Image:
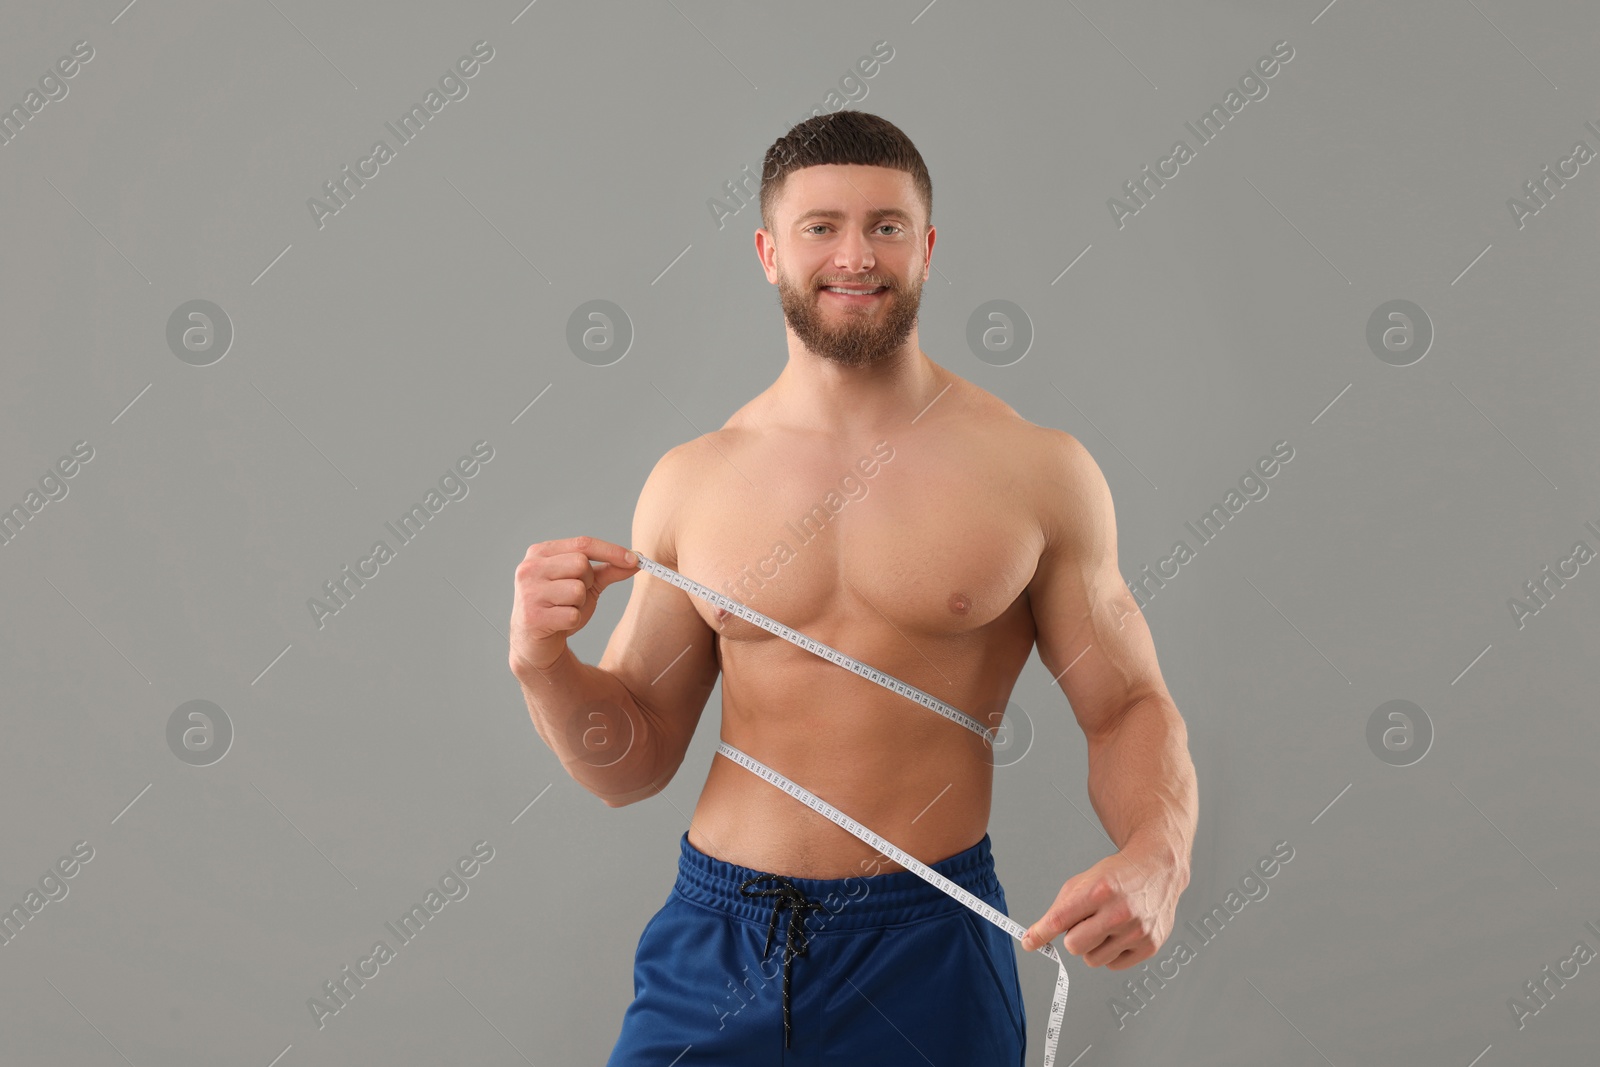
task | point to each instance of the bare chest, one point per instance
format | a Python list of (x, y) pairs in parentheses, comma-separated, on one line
[(927, 540)]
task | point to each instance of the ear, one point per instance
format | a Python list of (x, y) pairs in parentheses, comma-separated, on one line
[(767, 253)]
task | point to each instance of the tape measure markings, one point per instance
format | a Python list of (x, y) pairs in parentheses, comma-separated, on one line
[(1058, 1001), (833, 655)]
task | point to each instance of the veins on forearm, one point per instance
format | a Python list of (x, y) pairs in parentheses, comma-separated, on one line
[(1142, 781)]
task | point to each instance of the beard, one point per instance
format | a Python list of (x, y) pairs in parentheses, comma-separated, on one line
[(850, 337)]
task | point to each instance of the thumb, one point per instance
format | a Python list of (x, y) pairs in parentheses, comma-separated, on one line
[(615, 567)]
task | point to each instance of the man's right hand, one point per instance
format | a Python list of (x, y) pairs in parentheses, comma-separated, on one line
[(555, 595)]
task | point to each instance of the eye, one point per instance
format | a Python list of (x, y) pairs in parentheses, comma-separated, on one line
[(822, 225)]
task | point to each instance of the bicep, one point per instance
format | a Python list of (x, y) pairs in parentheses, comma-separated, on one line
[(1091, 635), (661, 648)]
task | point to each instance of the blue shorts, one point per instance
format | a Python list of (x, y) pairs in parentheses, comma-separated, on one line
[(883, 969)]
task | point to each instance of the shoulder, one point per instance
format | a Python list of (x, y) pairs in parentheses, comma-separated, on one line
[(669, 490), (1062, 457), (655, 516), (1060, 479), (975, 398), (684, 465), (1075, 506), (1069, 493), (1044, 454)]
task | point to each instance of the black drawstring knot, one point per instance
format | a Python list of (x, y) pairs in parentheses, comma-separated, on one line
[(786, 895)]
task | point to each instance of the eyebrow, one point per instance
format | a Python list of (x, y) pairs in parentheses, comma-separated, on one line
[(875, 214)]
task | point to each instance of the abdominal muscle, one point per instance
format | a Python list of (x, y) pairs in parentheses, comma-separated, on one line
[(900, 769)]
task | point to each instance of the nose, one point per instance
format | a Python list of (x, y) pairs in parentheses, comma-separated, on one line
[(853, 253)]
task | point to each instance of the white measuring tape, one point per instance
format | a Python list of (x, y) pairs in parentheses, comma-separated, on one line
[(1058, 1003)]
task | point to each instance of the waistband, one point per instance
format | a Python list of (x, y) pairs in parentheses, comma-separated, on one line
[(852, 902)]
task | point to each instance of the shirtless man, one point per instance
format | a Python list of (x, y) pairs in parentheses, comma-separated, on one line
[(963, 535)]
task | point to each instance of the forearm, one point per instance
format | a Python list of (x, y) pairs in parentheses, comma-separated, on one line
[(603, 737), (1142, 782)]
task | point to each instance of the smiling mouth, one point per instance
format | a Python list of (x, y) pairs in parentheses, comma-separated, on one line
[(854, 295)]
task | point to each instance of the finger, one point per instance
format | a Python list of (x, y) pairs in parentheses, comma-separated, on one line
[(1076, 902), (576, 563), (1109, 948), (1129, 958), (566, 592), (592, 547), (1118, 954), (609, 573), (1092, 935)]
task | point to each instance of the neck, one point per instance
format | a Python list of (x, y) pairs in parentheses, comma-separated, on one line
[(826, 397)]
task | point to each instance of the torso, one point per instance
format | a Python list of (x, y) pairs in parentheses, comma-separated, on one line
[(922, 574)]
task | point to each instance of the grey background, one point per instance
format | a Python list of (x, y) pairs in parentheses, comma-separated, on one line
[(368, 355)]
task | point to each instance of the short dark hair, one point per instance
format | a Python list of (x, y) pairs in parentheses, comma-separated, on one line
[(842, 137)]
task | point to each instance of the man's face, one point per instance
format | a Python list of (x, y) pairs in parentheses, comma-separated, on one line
[(854, 227)]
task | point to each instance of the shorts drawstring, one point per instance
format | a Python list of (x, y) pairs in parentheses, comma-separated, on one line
[(786, 895)]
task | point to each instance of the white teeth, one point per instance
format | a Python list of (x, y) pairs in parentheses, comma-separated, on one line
[(851, 292)]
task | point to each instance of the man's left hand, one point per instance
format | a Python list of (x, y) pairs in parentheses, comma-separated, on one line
[(1117, 912)]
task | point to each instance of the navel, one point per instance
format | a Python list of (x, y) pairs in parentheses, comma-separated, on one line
[(959, 603)]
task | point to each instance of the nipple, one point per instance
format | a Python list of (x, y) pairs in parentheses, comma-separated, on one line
[(959, 603)]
